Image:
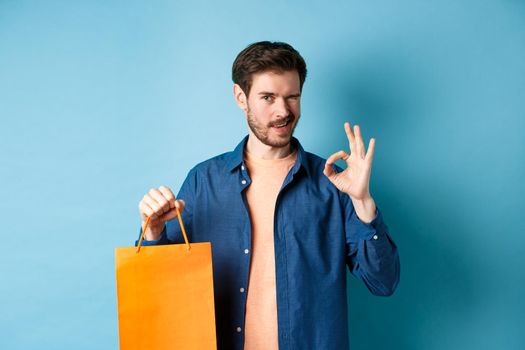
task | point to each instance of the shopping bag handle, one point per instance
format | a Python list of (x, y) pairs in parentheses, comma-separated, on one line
[(188, 246)]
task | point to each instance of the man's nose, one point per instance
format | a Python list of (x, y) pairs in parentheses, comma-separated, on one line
[(281, 108)]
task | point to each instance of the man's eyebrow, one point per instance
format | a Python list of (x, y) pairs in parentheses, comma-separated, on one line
[(273, 94)]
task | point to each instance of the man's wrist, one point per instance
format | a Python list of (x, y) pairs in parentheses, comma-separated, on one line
[(365, 209), (153, 233)]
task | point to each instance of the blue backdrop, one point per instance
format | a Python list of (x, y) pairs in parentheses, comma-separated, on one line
[(102, 100)]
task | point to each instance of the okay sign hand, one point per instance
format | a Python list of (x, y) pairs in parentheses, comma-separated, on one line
[(355, 179)]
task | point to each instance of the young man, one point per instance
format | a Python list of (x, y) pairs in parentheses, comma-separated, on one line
[(282, 222)]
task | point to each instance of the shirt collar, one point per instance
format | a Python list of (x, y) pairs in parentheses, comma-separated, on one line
[(236, 158)]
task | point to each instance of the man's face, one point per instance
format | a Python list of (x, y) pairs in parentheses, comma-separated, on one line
[(273, 107)]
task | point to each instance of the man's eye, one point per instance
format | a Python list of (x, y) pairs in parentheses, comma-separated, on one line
[(267, 98)]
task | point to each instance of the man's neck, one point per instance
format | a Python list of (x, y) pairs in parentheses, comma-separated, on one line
[(258, 149)]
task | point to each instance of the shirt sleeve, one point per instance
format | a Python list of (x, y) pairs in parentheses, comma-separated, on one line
[(172, 233), (372, 255)]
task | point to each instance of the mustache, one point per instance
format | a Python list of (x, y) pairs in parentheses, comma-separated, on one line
[(286, 119)]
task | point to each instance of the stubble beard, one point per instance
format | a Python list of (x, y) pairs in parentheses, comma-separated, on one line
[(262, 132)]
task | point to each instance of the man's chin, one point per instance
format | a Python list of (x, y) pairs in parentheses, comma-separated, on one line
[(278, 142), (272, 139)]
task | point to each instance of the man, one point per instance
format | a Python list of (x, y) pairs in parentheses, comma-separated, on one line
[(282, 222)]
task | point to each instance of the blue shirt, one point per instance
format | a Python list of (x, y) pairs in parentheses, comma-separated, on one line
[(317, 234)]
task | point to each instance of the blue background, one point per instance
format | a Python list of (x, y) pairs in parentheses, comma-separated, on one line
[(102, 100)]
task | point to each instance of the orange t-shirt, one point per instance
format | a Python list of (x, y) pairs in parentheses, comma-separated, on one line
[(267, 176)]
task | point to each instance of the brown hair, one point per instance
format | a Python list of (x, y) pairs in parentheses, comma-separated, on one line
[(266, 56)]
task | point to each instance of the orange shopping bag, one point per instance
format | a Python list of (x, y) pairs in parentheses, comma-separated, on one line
[(165, 296)]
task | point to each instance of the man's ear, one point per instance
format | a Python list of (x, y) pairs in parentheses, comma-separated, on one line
[(240, 97)]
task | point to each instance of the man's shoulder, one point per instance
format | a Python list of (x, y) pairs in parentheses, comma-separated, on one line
[(216, 163), (224, 161)]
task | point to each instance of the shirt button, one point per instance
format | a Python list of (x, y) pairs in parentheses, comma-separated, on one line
[(375, 237), (242, 290), (242, 167), (243, 182), (246, 251), (239, 329)]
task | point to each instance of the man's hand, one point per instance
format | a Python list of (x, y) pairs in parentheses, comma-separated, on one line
[(355, 179), (158, 204)]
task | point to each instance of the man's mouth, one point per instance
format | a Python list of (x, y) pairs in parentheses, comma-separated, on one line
[(282, 123)]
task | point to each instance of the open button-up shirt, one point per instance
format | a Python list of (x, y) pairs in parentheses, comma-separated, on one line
[(317, 235)]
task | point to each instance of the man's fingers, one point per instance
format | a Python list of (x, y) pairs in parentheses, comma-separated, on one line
[(159, 204), (360, 146), (336, 156), (179, 203), (172, 213), (169, 215), (143, 213), (351, 137), (370, 153), (153, 204), (328, 170), (170, 197), (160, 199), (146, 210)]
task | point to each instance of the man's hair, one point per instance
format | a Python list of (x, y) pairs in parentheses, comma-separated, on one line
[(265, 56)]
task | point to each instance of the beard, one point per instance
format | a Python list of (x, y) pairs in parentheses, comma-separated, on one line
[(262, 132)]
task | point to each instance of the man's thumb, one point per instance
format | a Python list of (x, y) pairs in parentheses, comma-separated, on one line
[(172, 214)]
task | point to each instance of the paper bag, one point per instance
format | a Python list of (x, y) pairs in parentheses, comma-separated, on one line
[(165, 296)]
